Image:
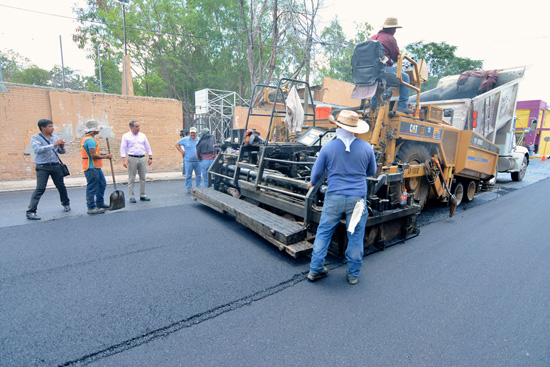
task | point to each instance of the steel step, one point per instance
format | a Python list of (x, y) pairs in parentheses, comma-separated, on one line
[(283, 233)]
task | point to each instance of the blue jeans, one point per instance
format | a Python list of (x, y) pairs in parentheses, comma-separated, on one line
[(334, 208), (205, 165), (190, 166), (403, 89), (95, 189)]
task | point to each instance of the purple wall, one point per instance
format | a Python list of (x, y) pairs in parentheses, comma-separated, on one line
[(534, 108)]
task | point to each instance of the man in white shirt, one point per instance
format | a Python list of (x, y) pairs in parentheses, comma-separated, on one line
[(134, 148)]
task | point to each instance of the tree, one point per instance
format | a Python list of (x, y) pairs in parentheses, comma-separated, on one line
[(12, 64), (176, 47), (32, 75), (441, 61), (334, 60), (73, 80)]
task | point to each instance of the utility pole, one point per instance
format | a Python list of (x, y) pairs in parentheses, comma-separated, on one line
[(99, 69), (125, 47), (62, 62)]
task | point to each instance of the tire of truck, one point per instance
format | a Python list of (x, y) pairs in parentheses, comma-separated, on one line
[(518, 176), (419, 186), (458, 192), (470, 191)]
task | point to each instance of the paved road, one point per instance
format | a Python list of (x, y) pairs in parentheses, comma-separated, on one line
[(177, 284)]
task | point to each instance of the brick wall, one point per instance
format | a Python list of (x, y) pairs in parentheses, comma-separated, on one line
[(22, 106)]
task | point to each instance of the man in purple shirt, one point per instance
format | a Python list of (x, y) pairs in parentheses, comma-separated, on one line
[(348, 162), (133, 149), (391, 51)]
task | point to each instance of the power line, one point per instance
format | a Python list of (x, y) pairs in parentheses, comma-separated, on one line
[(110, 24), (136, 28)]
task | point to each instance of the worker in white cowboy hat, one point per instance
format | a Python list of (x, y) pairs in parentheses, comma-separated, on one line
[(391, 51), (348, 161)]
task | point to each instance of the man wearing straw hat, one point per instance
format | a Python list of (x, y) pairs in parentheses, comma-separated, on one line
[(348, 162), (391, 51), (91, 164)]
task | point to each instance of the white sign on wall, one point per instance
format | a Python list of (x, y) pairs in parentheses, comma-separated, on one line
[(201, 101)]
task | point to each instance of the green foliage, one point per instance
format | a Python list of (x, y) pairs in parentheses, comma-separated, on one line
[(334, 59), (441, 61), (18, 69), (176, 47), (12, 64), (73, 80), (32, 75)]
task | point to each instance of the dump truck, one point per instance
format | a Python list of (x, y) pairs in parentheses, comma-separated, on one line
[(262, 181), (490, 113)]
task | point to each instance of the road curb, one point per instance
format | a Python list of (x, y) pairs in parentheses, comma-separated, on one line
[(79, 181)]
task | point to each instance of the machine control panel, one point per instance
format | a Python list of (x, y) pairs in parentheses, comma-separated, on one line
[(313, 134)]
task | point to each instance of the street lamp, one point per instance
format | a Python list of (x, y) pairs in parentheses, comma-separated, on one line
[(124, 21)]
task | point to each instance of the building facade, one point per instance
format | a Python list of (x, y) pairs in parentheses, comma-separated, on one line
[(533, 126)]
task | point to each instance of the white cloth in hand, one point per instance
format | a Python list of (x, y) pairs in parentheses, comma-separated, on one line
[(356, 215)]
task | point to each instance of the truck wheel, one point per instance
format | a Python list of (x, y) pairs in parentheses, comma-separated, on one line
[(518, 176), (470, 191), (419, 186), (458, 192)]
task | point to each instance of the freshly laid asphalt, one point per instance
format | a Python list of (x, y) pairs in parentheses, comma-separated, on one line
[(173, 283)]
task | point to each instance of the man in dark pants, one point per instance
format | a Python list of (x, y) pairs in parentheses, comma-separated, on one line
[(45, 146)]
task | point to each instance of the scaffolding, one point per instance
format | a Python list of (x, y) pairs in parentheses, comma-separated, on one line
[(214, 109)]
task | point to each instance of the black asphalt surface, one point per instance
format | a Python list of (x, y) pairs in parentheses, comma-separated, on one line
[(173, 283)]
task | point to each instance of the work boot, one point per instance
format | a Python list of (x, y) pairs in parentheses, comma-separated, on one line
[(103, 206), (32, 216), (96, 211), (314, 277), (352, 281), (405, 110)]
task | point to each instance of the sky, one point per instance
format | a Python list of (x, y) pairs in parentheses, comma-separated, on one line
[(503, 36)]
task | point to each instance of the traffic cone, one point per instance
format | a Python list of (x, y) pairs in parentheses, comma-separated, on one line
[(543, 158)]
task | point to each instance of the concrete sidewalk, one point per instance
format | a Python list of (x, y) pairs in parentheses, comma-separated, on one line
[(77, 181)]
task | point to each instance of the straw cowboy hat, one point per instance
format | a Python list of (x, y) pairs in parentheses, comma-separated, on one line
[(349, 120), (91, 125), (391, 22)]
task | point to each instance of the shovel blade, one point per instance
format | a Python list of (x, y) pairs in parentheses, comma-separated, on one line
[(117, 200), (454, 203)]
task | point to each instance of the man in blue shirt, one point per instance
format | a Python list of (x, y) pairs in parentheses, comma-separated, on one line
[(45, 146), (348, 162), (188, 149), (183, 134)]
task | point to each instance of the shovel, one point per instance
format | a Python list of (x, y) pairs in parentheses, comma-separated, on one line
[(116, 200), (454, 200)]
